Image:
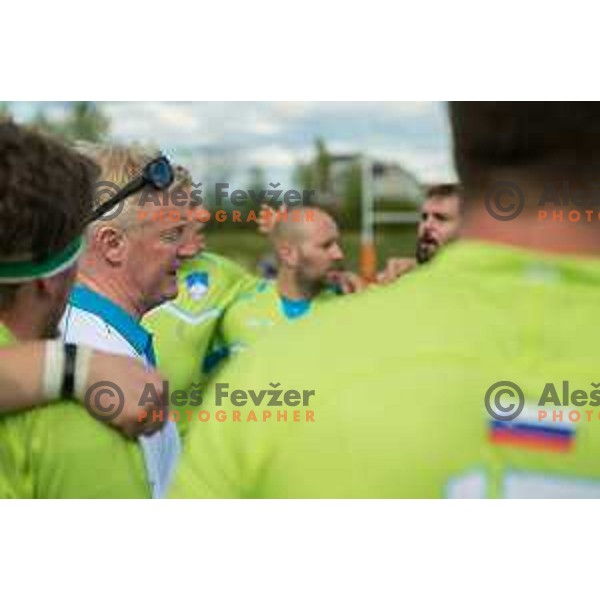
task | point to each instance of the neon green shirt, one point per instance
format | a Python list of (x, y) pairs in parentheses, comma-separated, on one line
[(185, 329), (60, 451), (400, 378), (257, 312)]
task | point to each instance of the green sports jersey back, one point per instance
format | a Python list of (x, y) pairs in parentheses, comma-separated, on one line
[(256, 312), (399, 380), (60, 451), (184, 330)]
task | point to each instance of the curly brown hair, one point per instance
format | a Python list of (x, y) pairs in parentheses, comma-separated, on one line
[(45, 194)]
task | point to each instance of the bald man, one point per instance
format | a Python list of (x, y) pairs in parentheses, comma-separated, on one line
[(306, 242)]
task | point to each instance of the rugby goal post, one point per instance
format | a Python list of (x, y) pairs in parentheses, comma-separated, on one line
[(370, 218)]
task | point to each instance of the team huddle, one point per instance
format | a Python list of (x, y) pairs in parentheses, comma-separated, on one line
[(310, 383)]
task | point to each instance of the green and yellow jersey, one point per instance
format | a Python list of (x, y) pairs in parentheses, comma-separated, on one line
[(60, 451), (185, 330), (399, 380), (258, 311)]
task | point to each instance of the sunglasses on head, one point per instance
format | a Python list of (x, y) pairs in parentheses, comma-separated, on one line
[(158, 173)]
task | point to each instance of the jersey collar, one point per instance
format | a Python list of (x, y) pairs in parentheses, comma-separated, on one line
[(136, 335), (295, 308), (469, 256)]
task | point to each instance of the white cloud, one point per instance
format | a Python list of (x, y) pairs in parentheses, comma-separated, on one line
[(276, 156), (277, 135)]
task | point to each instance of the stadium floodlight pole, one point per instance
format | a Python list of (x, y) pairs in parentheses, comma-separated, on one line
[(368, 254)]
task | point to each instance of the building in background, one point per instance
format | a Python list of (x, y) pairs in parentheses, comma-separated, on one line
[(391, 182)]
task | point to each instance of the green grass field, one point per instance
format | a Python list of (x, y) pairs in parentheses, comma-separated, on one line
[(246, 246)]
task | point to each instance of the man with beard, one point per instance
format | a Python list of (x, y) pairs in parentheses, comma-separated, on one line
[(308, 252), (188, 330), (407, 401), (439, 225), (440, 220)]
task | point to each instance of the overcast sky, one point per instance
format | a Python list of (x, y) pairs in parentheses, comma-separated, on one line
[(277, 135)]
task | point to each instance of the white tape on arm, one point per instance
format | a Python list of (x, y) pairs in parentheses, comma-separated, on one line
[(54, 367), (82, 370)]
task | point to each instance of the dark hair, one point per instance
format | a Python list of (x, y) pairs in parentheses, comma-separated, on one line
[(45, 194), (545, 138), (444, 190)]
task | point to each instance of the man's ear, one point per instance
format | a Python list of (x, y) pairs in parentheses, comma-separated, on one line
[(110, 243), (57, 287), (43, 287), (288, 254)]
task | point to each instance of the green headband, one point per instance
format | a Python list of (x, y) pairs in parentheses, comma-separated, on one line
[(19, 272)]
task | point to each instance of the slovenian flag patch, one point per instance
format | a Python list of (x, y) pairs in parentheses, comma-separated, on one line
[(197, 284), (528, 431)]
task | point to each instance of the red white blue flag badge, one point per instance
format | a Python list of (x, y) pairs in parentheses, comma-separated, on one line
[(528, 430)]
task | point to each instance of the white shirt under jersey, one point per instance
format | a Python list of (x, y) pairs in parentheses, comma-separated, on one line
[(94, 320)]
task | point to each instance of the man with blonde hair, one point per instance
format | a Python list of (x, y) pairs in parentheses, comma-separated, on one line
[(57, 450), (135, 247)]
